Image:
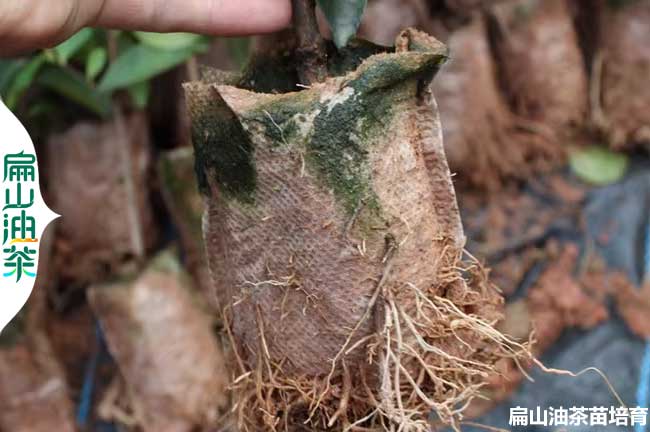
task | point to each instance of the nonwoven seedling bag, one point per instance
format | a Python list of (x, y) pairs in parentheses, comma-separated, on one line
[(335, 247)]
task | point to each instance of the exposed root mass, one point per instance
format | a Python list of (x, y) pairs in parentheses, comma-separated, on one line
[(431, 354)]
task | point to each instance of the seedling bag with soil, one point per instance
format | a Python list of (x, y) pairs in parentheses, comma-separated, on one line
[(335, 248)]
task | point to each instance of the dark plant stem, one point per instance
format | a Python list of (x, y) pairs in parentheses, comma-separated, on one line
[(310, 53)]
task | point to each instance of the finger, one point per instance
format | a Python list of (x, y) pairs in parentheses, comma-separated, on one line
[(30, 24), (216, 17)]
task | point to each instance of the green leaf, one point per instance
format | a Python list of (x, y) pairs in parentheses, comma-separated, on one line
[(95, 62), (598, 165), (344, 17), (141, 63), (74, 87), (41, 108), (169, 41), (64, 51), (22, 80), (139, 93), (8, 71)]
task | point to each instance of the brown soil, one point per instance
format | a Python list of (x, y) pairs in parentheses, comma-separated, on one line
[(508, 273), (560, 301), (633, 304)]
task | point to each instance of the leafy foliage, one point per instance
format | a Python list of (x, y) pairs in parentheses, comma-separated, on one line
[(72, 85), (96, 62), (344, 17), (598, 165), (8, 71), (169, 41), (141, 63), (63, 52), (79, 69), (22, 80)]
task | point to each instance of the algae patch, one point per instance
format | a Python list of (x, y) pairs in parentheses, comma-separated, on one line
[(223, 150), (338, 148), (333, 133), (333, 130)]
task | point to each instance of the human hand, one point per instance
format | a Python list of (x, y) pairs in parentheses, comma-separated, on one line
[(30, 24)]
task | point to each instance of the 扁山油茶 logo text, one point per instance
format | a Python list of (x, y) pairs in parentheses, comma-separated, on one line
[(24, 216)]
